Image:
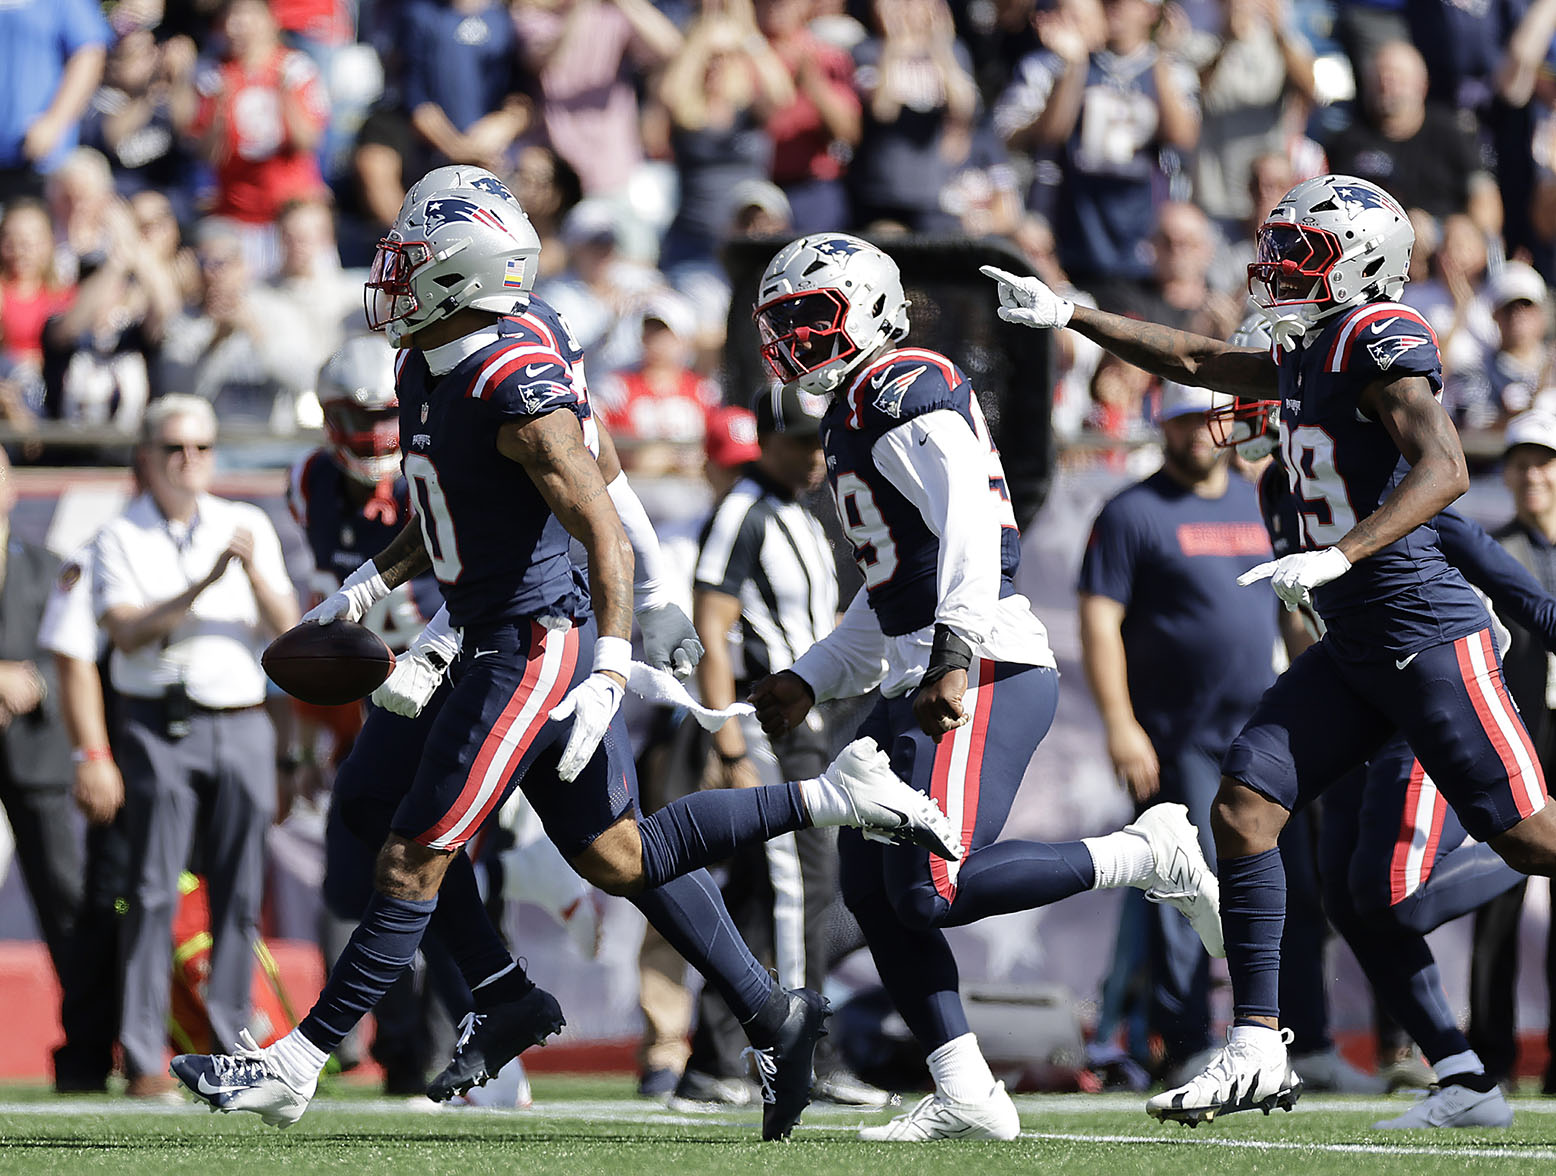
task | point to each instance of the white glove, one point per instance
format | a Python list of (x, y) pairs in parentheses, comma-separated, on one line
[(1295, 576), (592, 705), (1028, 301), (359, 592), (669, 640), (419, 671)]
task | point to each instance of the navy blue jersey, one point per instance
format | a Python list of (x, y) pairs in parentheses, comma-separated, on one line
[(896, 551), (497, 550), (343, 535), (1342, 466), (1172, 559)]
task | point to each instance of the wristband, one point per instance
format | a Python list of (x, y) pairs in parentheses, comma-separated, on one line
[(91, 755), (949, 652), (612, 655)]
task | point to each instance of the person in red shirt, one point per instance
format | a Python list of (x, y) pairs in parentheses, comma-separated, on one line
[(815, 134), (29, 293), (258, 118)]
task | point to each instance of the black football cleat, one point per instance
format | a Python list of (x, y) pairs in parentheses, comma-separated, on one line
[(785, 1068), (489, 1041)]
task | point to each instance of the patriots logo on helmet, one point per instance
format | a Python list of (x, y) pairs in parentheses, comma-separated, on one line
[(1358, 199), (452, 209), (889, 399), (495, 186), (836, 247), (1385, 351)]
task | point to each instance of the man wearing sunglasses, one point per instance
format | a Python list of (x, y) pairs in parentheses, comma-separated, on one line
[(189, 588)]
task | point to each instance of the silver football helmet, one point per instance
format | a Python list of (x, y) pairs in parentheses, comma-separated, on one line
[(457, 249), (457, 175), (1331, 243), (827, 303), (1252, 427), (361, 409)]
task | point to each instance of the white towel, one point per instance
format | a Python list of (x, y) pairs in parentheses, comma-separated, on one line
[(661, 686)]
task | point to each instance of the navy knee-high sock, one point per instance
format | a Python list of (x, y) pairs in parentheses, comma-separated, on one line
[(1253, 916), (1404, 976), (917, 969), (463, 929), (707, 827), (1463, 881), (690, 913), (382, 946), (1018, 876)]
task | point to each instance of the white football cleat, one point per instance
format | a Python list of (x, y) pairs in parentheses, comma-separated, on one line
[(1182, 878), (884, 807), (245, 1080), (938, 1118), (1243, 1076), (1454, 1106)]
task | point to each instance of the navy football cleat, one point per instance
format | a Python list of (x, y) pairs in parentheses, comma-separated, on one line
[(246, 1080), (785, 1069), (489, 1041)]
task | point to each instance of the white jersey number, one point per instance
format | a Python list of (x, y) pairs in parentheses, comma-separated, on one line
[(875, 551), (437, 527), (1325, 504)]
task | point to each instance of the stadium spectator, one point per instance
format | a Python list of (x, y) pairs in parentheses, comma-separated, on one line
[(30, 290), (1529, 473), (237, 347), (983, 192), (97, 352), (189, 588), (579, 52), (601, 293), (80, 193), (459, 84), (1416, 150), (131, 119), (1513, 373), (157, 221), (51, 60), (1453, 301), (813, 136), (311, 277), (660, 402), (547, 188), (258, 120), (718, 92), (380, 166), (1178, 292), (1245, 74), (1270, 176), (918, 98), (34, 749), (1111, 105)]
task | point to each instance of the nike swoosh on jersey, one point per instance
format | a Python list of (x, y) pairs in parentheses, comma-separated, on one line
[(1377, 328), (1400, 665), (483, 653)]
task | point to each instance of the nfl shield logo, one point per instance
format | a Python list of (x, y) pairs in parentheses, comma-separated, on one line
[(424, 410)]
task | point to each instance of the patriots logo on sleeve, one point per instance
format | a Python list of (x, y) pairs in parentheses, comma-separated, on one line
[(1385, 351), (454, 209), (890, 393)]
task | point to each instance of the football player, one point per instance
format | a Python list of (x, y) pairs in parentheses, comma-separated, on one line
[(968, 682), (1392, 855), (496, 436), (1372, 458)]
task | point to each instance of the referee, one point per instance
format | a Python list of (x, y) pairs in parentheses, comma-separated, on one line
[(765, 590)]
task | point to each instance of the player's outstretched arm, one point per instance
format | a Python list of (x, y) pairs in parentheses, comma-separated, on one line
[(406, 556), (1419, 425), (1181, 356), (1515, 593), (552, 451)]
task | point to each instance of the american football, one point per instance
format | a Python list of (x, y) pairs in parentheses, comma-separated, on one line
[(328, 665)]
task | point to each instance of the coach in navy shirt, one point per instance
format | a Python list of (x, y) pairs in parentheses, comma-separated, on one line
[(1177, 655)]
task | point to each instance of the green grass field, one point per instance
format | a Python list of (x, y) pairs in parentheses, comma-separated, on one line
[(587, 1125)]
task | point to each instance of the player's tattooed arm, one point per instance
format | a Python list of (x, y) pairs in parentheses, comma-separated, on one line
[(1419, 425), (552, 451), (406, 556), (608, 461), (1181, 356)]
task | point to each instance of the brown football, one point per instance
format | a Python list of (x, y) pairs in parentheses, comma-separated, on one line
[(328, 665)]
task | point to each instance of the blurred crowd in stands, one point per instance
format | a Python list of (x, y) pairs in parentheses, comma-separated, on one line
[(190, 188)]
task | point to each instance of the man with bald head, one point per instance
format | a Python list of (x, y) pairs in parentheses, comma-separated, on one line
[(1414, 148)]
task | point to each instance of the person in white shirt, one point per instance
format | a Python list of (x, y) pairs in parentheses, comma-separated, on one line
[(968, 683), (189, 589)]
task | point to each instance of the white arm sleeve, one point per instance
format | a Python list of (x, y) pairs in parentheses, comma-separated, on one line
[(850, 660), (648, 572), (941, 467)]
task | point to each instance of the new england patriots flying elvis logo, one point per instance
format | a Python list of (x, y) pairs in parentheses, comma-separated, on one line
[(1385, 351), (889, 398), (495, 186), (1357, 199), (448, 210)]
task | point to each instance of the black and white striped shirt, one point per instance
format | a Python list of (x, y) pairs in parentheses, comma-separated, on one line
[(769, 551)]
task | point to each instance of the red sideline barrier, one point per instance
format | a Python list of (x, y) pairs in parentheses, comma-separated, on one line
[(27, 987)]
